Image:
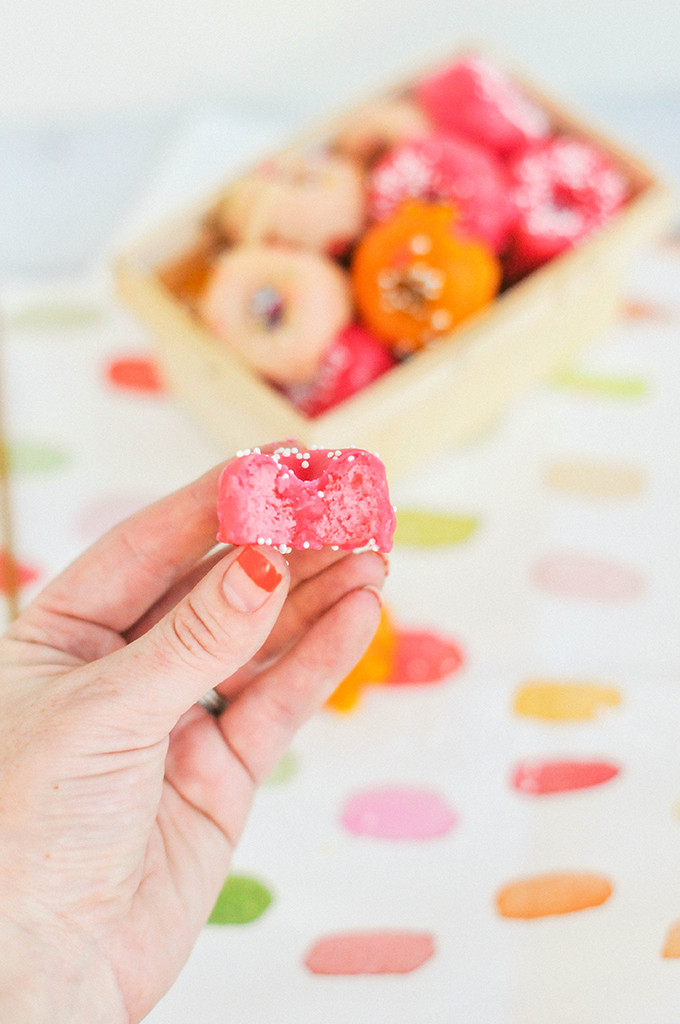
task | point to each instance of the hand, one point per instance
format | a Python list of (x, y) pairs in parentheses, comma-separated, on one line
[(121, 798)]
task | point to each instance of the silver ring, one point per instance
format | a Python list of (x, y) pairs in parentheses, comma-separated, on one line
[(213, 702)]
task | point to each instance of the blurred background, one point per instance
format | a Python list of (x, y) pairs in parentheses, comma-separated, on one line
[(91, 92)]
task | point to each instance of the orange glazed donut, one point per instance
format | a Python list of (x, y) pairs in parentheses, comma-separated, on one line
[(279, 308), (415, 278), (311, 199), (381, 125)]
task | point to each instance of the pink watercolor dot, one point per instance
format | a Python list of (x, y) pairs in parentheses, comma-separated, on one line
[(398, 813), (372, 952), (587, 578)]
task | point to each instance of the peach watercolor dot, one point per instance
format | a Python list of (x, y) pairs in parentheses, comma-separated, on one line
[(370, 952), (552, 894), (587, 578), (585, 478), (398, 813)]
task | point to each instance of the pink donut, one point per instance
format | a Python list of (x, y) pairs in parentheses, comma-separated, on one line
[(297, 498), (312, 199), (352, 361), (563, 190), (452, 170), (279, 308), (379, 126), (478, 100)]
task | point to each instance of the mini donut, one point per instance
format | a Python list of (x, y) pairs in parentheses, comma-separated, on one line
[(563, 190), (475, 98), (279, 308), (453, 170), (415, 279), (352, 361), (313, 199), (379, 126), (314, 498)]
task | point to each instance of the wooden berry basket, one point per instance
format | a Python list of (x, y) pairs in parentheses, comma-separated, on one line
[(446, 393)]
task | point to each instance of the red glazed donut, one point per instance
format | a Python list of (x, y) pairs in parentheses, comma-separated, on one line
[(297, 498), (451, 170), (563, 190), (352, 361), (478, 100), (279, 308), (312, 199)]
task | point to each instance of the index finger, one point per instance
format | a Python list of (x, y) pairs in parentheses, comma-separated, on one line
[(123, 573)]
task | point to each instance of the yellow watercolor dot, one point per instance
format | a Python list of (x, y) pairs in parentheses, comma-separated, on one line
[(563, 701)]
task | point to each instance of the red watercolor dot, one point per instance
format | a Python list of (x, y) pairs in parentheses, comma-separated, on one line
[(370, 953), (135, 373), (538, 778), (422, 656)]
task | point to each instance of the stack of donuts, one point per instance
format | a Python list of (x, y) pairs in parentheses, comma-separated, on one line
[(324, 267)]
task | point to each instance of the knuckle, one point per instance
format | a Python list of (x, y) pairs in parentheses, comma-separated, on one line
[(196, 633)]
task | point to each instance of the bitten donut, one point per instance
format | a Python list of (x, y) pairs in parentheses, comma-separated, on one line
[(353, 360), (415, 279), (450, 169), (297, 498), (313, 199), (563, 190), (477, 99), (279, 308), (379, 126)]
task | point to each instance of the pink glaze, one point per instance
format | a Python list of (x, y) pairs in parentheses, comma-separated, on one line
[(443, 168), (398, 813), (297, 498), (482, 102), (352, 361), (370, 952)]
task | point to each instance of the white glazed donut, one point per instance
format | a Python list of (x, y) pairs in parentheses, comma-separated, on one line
[(379, 126), (312, 199), (278, 307)]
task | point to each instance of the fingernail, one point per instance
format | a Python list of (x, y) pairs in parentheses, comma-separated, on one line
[(249, 580), (374, 590)]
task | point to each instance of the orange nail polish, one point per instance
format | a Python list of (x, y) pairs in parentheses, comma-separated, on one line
[(260, 570)]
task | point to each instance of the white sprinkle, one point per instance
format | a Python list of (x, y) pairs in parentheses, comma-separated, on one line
[(338, 452), (421, 244), (305, 464), (335, 547), (268, 540), (260, 540), (330, 454), (305, 544), (351, 458), (321, 493)]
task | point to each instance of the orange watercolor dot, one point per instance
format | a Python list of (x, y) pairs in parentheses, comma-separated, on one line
[(564, 702), (135, 373), (552, 894), (671, 947), (13, 574)]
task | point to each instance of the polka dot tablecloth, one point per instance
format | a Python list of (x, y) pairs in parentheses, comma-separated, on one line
[(491, 838)]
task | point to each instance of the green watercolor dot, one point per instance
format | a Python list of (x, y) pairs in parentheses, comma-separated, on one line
[(421, 528), (59, 316), (285, 770), (607, 386), (242, 900), (35, 457)]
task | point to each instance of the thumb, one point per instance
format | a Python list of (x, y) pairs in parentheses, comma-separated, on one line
[(213, 631)]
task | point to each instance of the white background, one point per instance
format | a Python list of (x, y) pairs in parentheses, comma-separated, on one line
[(76, 57)]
